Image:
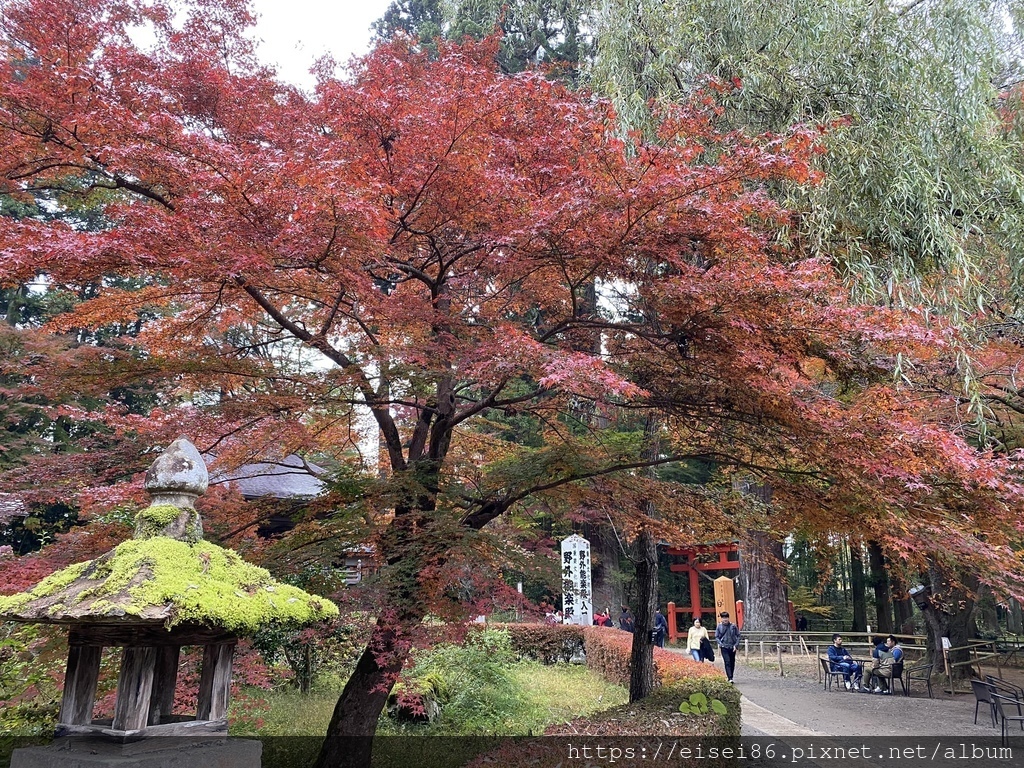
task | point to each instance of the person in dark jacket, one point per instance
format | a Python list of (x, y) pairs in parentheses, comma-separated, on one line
[(660, 628), (841, 661), (727, 635), (626, 619)]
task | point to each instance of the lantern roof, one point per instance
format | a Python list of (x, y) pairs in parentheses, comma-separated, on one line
[(167, 574)]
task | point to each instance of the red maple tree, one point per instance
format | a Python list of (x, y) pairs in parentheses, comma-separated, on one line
[(450, 249)]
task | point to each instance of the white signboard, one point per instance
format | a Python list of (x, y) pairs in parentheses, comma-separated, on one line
[(577, 601)]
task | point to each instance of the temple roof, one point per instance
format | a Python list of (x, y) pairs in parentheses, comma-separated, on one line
[(290, 478)]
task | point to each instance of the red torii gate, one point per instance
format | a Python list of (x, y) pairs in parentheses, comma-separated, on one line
[(691, 567)]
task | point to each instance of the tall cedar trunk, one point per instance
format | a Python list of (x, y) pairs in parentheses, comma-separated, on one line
[(1014, 619), (904, 606), (641, 675), (860, 606), (987, 618), (947, 613), (880, 585), (763, 573), (641, 660)]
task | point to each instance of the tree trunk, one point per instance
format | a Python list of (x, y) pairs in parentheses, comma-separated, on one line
[(1014, 622), (641, 660), (904, 606), (987, 617), (412, 547), (349, 740), (880, 585), (763, 575), (947, 613), (857, 585), (641, 675)]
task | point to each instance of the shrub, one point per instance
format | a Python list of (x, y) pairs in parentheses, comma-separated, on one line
[(463, 690), (546, 643)]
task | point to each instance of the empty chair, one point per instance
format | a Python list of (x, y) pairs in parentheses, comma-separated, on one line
[(983, 693), (919, 672), (1009, 691), (1001, 707), (1005, 688)]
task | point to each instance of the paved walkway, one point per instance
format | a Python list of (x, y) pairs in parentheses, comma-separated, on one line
[(798, 705)]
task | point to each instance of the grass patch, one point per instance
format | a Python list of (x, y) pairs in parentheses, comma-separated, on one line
[(563, 692), (293, 725), (549, 695)]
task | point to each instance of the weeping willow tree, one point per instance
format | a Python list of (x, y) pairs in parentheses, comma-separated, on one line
[(922, 186), (922, 197)]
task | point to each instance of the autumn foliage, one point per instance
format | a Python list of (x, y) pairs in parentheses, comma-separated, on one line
[(476, 274)]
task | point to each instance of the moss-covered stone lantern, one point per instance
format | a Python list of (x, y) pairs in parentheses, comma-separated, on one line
[(163, 589)]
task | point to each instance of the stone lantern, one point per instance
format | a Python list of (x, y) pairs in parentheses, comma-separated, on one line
[(162, 589)]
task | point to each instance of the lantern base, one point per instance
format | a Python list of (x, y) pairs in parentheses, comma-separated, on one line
[(86, 752)]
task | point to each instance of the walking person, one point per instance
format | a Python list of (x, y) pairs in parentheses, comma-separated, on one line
[(660, 629), (727, 635), (695, 634)]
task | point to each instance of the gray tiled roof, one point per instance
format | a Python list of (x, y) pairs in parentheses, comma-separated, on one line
[(290, 478), (10, 507)]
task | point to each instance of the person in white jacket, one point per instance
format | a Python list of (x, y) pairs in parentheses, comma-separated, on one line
[(695, 634)]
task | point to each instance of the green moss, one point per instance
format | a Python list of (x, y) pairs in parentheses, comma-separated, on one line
[(201, 583), (52, 584), (152, 521), (159, 514)]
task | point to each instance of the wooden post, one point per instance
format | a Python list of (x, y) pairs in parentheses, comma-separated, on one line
[(165, 678), (80, 680), (134, 687), (215, 682), (817, 656), (694, 596), (746, 650), (673, 628), (762, 655), (779, 647)]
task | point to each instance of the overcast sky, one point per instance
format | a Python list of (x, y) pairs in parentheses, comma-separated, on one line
[(297, 32)]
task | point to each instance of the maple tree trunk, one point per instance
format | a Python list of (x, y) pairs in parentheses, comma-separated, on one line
[(349, 739), (411, 544), (641, 660), (857, 585), (880, 584), (763, 574)]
